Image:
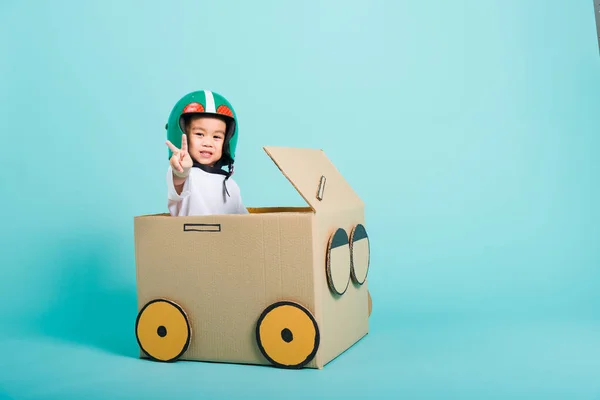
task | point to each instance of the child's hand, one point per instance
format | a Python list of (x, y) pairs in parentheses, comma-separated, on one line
[(181, 162)]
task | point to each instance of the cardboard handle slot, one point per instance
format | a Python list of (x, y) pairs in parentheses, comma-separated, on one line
[(321, 189), (202, 227)]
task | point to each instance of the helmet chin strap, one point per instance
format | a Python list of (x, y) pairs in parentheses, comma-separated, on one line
[(209, 169), (214, 170)]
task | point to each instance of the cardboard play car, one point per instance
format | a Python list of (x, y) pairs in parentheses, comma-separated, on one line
[(283, 286)]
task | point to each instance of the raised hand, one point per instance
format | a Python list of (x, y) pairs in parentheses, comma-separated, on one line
[(181, 161)]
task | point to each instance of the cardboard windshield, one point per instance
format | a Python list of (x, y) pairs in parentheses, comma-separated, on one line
[(315, 177)]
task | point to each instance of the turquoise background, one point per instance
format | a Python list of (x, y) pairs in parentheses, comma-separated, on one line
[(469, 128)]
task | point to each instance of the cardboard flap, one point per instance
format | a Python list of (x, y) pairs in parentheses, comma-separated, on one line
[(314, 176)]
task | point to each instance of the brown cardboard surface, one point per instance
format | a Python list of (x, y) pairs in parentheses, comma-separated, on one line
[(343, 319), (304, 168), (224, 279), (226, 272)]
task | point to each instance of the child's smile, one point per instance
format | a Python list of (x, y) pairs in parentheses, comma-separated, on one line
[(206, 137)]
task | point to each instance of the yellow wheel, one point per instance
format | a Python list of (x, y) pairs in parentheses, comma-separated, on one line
[(162, 330), (287, 335)]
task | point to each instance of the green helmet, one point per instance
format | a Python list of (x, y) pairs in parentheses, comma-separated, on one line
[(207, 103)]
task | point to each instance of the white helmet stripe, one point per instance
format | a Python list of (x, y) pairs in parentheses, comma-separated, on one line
[(210, 101)]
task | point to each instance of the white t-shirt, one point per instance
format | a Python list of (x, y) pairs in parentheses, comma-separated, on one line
[(203, 194)]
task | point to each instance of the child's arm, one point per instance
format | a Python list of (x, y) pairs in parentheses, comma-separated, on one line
[(181, 162), (178, 182)]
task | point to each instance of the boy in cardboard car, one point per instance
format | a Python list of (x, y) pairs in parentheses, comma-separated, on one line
[(202, 138)]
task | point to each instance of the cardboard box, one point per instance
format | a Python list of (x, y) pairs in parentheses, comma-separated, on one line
[(282, 286)]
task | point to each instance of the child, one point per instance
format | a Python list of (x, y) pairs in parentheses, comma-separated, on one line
[(202, 138)]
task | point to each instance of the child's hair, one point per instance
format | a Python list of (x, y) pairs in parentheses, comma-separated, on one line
[(225, 159)]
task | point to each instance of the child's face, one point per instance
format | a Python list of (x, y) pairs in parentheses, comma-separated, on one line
[(205, 139)]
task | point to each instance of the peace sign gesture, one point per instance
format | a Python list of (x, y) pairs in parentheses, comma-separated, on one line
[(181, 162)]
